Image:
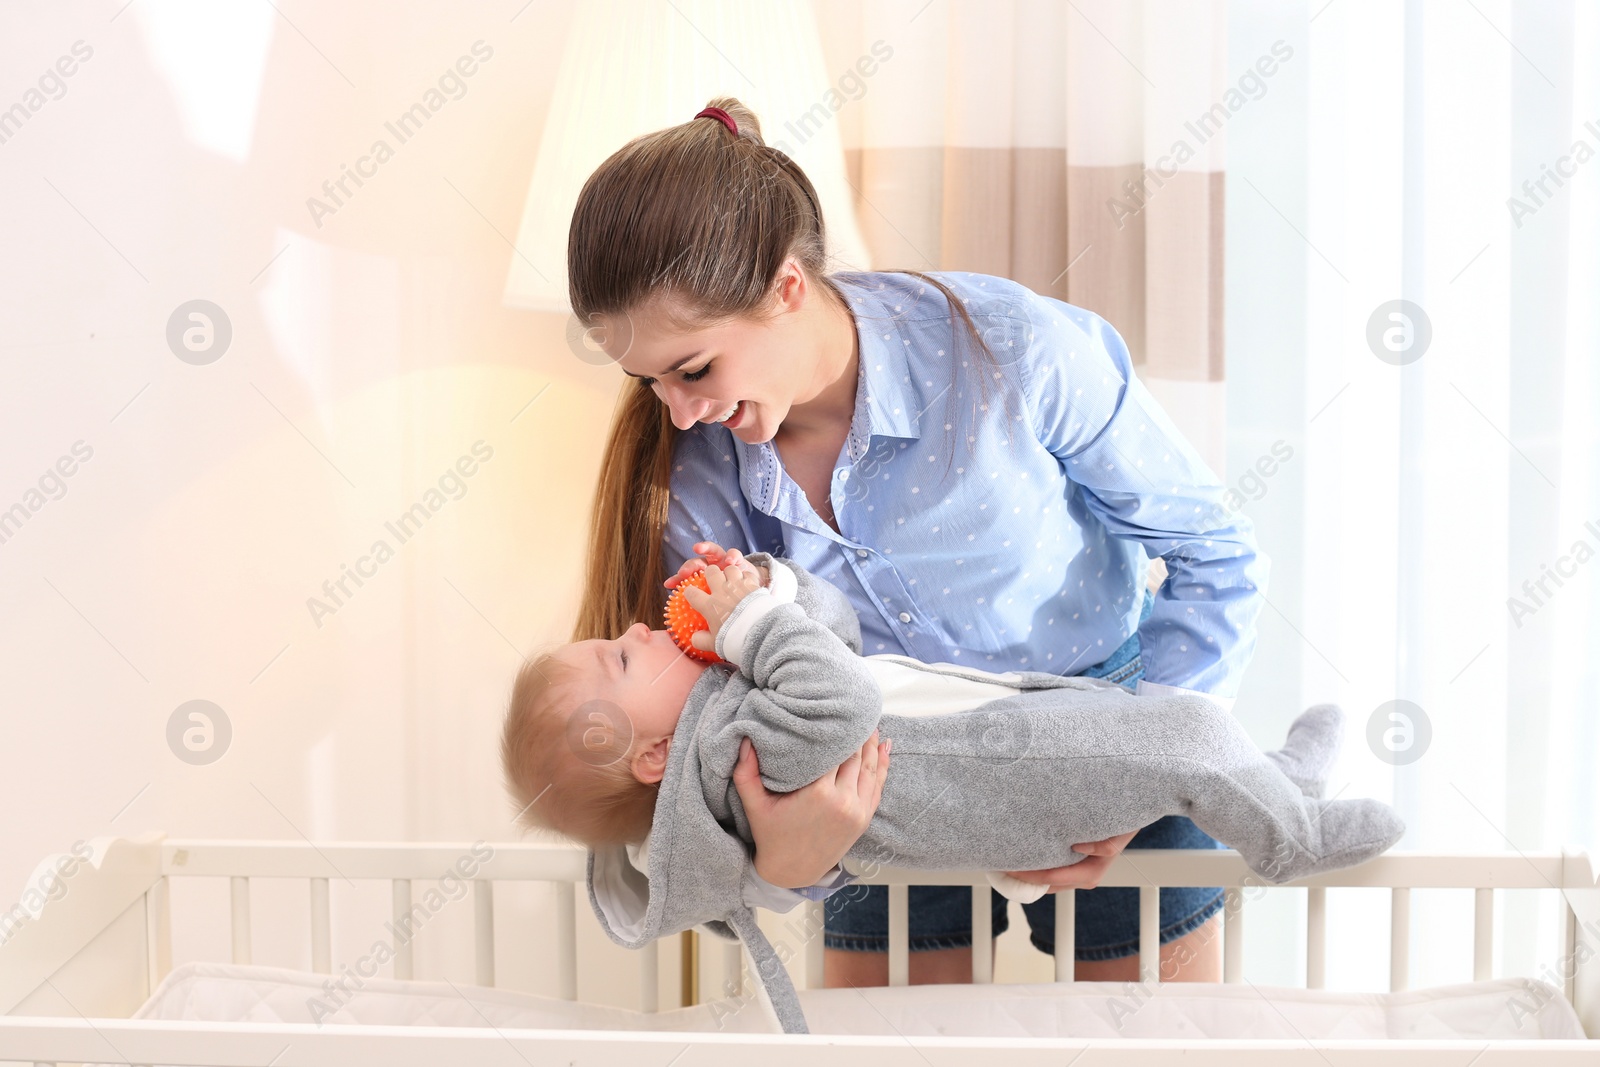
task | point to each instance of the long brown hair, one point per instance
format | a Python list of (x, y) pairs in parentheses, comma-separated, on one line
[(702, 222)]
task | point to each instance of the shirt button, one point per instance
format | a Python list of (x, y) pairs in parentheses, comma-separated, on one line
[(904, 617), (844, 476), (861, 552)]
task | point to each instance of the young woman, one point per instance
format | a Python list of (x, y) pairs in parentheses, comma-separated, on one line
[(976, 466)]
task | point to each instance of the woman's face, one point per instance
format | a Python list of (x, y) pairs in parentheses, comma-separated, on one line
[(743, 374)]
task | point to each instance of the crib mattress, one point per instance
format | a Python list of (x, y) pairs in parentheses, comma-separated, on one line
[(1506, 1009)]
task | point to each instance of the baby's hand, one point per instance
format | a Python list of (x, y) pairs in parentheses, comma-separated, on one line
[(727, 588), (712, 554)]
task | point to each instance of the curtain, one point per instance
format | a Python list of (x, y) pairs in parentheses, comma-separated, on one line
[(1414, 237), (1076, 148)]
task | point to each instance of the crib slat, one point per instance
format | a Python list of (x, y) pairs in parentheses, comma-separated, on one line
[(483, 931), (158, 930), (1149, 933), (1569, 952), (399, 910), (983, 938), (321, 934), (688, 968), (650, 977), (566, 941), (733, 968), (1233, 936), (1066, 935), (1316, 936), (899, 936), (239, 897), (1483, 935), (814, 917), (1399, 940)]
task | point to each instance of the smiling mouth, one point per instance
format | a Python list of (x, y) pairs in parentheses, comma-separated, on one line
[(726, 415)]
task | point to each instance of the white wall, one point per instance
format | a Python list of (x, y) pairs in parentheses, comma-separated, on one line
[(367, 355)]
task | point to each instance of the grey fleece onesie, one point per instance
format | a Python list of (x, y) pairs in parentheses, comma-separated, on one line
[(1011, 785)]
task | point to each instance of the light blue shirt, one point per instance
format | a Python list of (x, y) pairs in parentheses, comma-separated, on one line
[(957, 545)]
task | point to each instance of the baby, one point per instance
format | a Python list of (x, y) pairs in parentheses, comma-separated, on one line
[(630, 741)]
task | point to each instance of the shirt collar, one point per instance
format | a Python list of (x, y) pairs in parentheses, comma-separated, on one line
[(886, 404), (885, 401)]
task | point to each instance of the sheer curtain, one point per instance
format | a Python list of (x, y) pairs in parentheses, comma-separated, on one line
[(1446, 451)]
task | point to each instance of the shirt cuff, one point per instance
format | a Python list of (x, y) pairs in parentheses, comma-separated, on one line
[(1158, 690), (760, 893), (836, 879)]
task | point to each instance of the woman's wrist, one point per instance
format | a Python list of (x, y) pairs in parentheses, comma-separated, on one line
[(788, 875)]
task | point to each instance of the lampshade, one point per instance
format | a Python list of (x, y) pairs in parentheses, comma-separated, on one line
[(633, 66)]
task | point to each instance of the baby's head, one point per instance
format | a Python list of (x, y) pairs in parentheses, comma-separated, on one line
[(588, 732)]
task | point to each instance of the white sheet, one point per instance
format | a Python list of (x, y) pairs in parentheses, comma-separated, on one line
[(1511, 1009)]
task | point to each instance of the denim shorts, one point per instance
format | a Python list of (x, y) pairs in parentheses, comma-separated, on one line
[(856, 918)]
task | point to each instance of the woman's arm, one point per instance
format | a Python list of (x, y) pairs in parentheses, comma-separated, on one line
[(802, 836), (1145, 482), (1085, 874)]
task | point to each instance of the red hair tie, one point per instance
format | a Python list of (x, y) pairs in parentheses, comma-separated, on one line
[(722, 117)]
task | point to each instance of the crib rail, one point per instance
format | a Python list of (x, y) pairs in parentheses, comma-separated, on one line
[(142, 870), (401, 865), (186, 1043), (1148, 870)]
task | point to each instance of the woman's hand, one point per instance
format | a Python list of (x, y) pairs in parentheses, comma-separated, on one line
[(712, 554), (801, 835), (1085, 874)]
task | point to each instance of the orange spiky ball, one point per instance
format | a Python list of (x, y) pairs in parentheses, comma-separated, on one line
[(682, 621)]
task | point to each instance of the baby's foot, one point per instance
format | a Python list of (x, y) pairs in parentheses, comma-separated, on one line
[(1312, 748), (1343, 834)]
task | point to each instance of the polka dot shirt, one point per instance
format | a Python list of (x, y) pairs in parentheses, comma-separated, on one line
[(996, 510)]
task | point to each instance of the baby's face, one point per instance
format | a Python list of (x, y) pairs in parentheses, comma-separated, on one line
[(643, 672)]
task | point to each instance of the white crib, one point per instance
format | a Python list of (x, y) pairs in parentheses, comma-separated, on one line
[(120, 910)]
